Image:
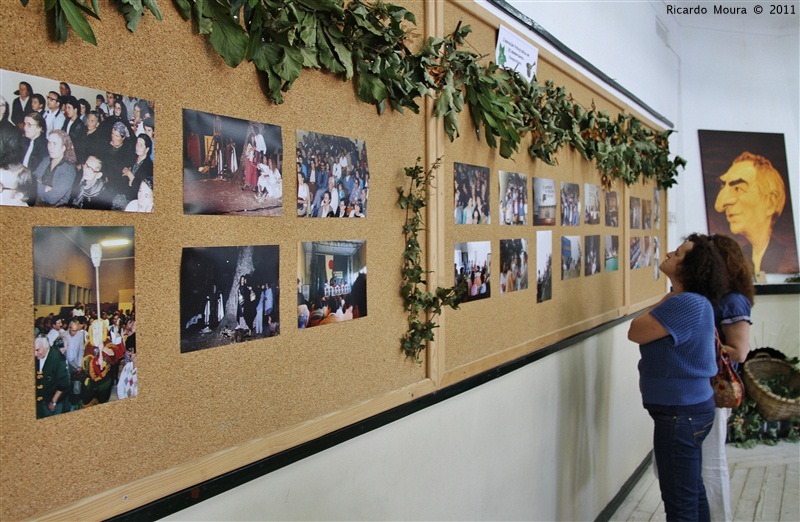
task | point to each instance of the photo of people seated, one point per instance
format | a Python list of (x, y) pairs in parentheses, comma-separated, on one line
[(592, 262), (72, 146), (544, 202), (513, 265), (229, 295), (591, 194), (612, 253), (544, 265), (471, 190), (472, 266), (231, 166), (513, 198), (331, 282), (84, 332), (332, 176), (570, 204), (571, 257)]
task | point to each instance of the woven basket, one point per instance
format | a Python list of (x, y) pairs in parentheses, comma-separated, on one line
[(772, 407)]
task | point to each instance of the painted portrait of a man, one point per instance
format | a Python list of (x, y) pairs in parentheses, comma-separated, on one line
[(747, 195)]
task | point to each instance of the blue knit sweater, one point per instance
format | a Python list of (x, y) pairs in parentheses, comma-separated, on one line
[(675, 370)]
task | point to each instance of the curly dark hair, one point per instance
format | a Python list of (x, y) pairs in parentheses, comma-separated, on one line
[(740, 274), (703, 270)]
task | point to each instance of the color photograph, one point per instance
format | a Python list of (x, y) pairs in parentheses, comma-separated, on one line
[(331, 282), (570, 204), (471, 190), (636, 213), (71, 146), (612, 253), (746, 185), (656, 209), (472, 266), (612, 209), (636, 252), (544, 265), (656, 257), (592, 249), (544, 202), (84, 309), (332, 176), (647, 252), (513, 198), (513, 265), (231, 166), (229, 295), (591, 194), (647, 214), (571, 257)]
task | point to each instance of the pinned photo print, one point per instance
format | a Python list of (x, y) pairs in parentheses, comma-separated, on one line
[(331, 282), (656, 209), (85, 317), (513, 198), (332, 176), (636, 252), (570, 204), (647, 214), (544, 265), (471, 189), (592, 201), (612, 253), (571, 257), (647, 253), (473, 263), (544, 202), (229, 295), (612, 209), (71, 146), (636, 213), (231, 166), (656, 257), (592, 255), (513, 265)]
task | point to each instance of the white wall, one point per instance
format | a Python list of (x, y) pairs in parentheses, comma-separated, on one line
[(555, 440)]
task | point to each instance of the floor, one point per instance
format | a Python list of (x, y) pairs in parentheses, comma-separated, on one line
[(765, 486)]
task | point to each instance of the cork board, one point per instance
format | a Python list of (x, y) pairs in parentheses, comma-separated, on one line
[(201, 413)]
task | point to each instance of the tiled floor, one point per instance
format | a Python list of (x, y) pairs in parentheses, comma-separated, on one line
[(765, 486)]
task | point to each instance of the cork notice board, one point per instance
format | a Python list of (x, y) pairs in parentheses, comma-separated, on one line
[(200, 413)]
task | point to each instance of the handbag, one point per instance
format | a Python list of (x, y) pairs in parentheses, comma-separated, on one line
[(728, 386)]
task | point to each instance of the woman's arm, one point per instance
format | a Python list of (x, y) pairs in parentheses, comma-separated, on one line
[(645, 328), (737, 340)]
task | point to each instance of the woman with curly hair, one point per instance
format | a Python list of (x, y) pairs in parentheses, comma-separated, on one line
[(56, 176), (732, 319), (677, 346)]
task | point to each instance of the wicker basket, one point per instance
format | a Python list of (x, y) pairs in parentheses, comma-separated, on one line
[(772, 407)]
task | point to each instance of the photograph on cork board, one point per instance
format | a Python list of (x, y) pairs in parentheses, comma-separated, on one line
[(544, 265), (331, 282), (656, 209), (647, 214), (570, 204), (612, 253), (571, 257), (231, 166), (471, 189), (472, 268), (746, 184), (612, 208), (636, 253), (84, 317), (332, 176), (229, 295), (591, 194), (72, 146), (513, 265), (592, 249), (656, 257), (636, 213), (513, 198), (544, 202)]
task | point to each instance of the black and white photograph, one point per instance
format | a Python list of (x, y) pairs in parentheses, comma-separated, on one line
[(636, 252), (544, 202), (332, 176), (513, 265), (647, 214), (513, 198), (471, 189), (612, 253), (636, 213), (544, 265), (331, 282), (71, 146), (592, 249), (612, 209), (570, 204), (229, 294), (231, 166), (84, 309), (571, 257), (591, 195), (472, 266)]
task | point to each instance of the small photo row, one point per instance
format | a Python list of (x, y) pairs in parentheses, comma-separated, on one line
[(72, 146)]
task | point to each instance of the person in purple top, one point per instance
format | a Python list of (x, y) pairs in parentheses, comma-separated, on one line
[(677, 346)]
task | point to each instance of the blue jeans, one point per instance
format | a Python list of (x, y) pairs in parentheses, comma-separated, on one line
[(677, 445)]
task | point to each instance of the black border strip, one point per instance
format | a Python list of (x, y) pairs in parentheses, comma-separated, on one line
[(778, 289), (190, 496), (566, 51)]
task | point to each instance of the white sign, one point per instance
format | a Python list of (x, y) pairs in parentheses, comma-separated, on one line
[(516, 54)]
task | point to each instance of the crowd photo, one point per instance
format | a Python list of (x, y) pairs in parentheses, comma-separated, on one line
[(612, 253), (71, 146), (471, 190), (513, 198), (332, 176), (544, 265), (571, 257), (592, 249), (544, 201), (84, 347), (331, 282), (231, 166), (636, 213), (229, 295), (570, 204), (472, 268), (513, 265), (592, 202)]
